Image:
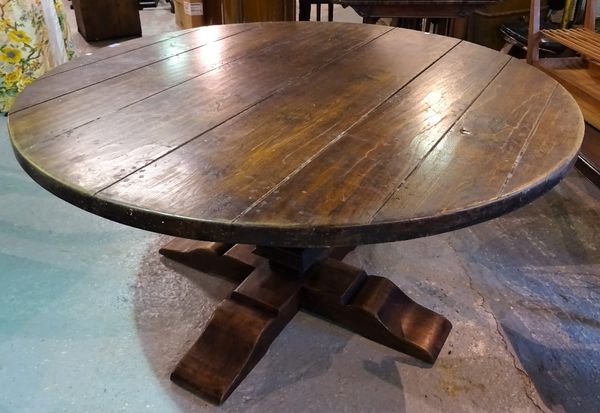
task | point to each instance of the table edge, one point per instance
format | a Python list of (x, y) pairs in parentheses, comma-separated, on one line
[(294, 236)]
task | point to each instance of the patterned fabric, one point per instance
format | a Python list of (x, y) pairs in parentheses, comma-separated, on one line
[(34, 37)]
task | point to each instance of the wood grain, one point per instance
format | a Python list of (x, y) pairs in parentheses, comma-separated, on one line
[(584, 41), (245, 324), (375, 308), (113, 50), (157, 125), (293, 136), (298, 134), (235, 339), (111, 95), (211, 257), (475, 158), (227, 186), (339, 187), (541, 154), (62, 83)]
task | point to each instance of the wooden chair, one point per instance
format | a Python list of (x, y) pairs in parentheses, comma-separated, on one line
[(580, 75), (304, 9)]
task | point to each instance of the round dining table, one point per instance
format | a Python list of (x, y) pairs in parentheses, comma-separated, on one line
[(271, 150)]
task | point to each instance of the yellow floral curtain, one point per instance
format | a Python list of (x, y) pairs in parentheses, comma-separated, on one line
[(34, 37)]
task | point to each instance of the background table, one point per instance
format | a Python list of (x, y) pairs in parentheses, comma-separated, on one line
[(372, 10), (296, 137)]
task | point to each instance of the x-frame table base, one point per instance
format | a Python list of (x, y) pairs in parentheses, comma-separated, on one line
[(274, 284)]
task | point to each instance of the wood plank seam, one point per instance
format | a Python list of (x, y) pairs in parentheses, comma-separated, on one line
[(168, 37), (145, 97), (339, 136), (255, 52), (277, 91), (412, 171), (160, 60), (126, 72)]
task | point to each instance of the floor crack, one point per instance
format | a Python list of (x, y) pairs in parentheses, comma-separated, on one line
[(484, 307)]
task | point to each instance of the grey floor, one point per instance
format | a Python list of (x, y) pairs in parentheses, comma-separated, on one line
[(93, 320)]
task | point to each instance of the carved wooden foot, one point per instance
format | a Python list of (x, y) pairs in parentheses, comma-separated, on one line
[(375, 308), (224, 260), (239, 334), (274, 286)]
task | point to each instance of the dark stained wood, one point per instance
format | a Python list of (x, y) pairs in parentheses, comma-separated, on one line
[(234, 261), (98, 70), (483, 149), (112, 51), (269, 290), (354, 135), (133, 86), (246, 11), (107, 19), (210, 257), (295, 133), (239, 334), (198, 106), (242, 327), (235, 339), (343, 188), (295, 261), (245, 324), (372, 10), (375, 308)]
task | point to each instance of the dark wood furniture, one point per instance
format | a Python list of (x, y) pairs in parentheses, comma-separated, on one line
[(107, 19), (304, 9), (372, 10), (357, 134), (588, 162), (250, 11)]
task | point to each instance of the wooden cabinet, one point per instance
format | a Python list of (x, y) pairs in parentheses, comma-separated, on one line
[(248, 11), (107, 19)]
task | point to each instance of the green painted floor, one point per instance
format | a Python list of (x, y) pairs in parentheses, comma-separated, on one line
[(67, 331)]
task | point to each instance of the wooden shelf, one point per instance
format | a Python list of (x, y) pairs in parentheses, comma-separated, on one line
[(582, 79), (579, 75), (583, 41)]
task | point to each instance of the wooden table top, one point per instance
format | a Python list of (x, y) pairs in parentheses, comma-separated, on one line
[(297, 134)]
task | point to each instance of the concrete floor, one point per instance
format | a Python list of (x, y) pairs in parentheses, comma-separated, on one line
[(92, 320)]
